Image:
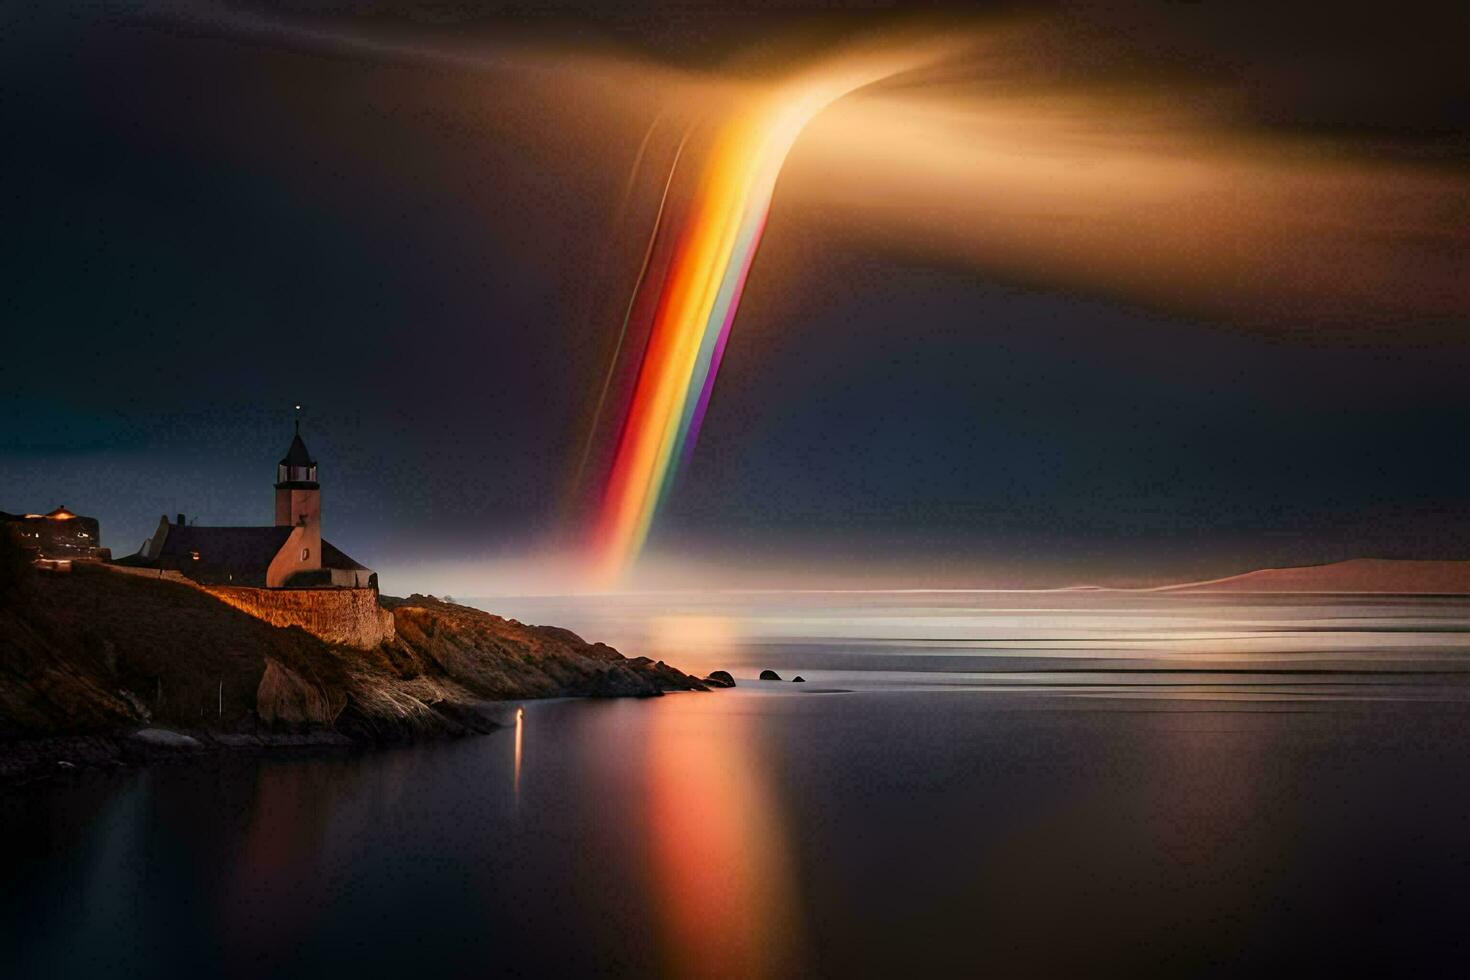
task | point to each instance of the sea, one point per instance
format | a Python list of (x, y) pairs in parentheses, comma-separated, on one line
[(1057, 784)]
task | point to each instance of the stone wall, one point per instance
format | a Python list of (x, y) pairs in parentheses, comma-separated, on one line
[(350, 617)]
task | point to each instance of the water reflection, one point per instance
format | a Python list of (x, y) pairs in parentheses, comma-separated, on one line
[(1296, 798), (520, 734), (723, 883), (274, 888)]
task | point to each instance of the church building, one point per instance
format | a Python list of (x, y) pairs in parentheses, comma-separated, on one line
[(289, 554)]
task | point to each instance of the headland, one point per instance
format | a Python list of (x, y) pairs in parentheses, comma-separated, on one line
[(103, 667)]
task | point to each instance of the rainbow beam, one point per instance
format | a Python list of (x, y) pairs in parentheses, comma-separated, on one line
[(695, 310)]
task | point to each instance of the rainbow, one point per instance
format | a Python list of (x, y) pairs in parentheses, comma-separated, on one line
[(695, 309)]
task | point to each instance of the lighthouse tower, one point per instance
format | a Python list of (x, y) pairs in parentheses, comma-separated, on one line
[(299, 500)]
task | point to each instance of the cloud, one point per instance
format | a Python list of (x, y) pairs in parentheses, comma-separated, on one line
[(1129, 155)]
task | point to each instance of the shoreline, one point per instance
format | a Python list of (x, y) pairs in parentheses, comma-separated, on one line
[(31, 761)]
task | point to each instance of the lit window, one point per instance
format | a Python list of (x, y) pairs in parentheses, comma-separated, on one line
[(194, 555)]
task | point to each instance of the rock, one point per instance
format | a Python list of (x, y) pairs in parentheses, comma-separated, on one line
[(798, 679), (770, 675), (240, 741), (306, 740), (162, 738), (720, 678)]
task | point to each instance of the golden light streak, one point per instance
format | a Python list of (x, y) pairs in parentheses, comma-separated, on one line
[(520, 735)]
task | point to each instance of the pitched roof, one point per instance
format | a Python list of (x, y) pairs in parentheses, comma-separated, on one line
[(241, 551), (237, 555), (334, 558)]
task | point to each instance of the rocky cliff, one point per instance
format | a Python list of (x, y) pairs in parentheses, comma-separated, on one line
[(95, 654)]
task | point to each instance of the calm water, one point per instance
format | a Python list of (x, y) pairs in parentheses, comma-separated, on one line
[(1022, 784)]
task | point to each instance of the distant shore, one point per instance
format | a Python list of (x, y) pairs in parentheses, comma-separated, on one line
[(1383, 576)]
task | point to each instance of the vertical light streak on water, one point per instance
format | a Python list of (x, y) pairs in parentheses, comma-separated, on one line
[(520, 736)]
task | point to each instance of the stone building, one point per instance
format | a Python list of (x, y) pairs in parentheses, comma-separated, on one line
[(58, 536), (288, 554)]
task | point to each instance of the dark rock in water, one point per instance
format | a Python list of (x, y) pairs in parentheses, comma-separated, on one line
[(720, 678), (798, 679), (770, 675)]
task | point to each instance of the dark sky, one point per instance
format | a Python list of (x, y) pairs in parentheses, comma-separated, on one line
[(205, 225)]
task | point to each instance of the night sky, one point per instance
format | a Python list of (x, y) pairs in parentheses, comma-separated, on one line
[(406, 217)]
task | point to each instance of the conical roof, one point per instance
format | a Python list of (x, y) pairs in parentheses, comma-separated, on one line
[(297, 454)]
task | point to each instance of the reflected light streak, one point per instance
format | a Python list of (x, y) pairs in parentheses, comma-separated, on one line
[(724, 890), (520, 734)]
